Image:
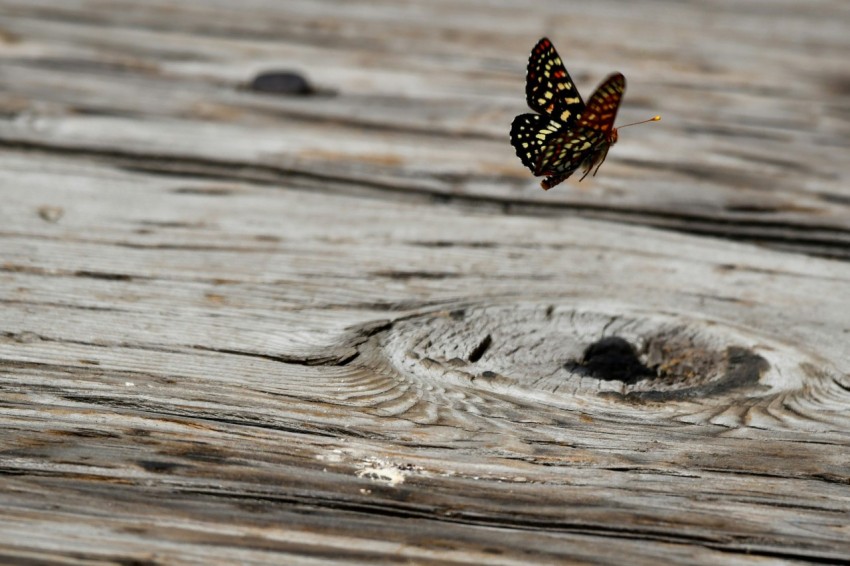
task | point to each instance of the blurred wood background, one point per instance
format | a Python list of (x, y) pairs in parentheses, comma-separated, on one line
[(346, 325)]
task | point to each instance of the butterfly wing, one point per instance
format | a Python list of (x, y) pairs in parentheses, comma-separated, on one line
[(549, 89), (530, 133), (563, 152), (601, 109)]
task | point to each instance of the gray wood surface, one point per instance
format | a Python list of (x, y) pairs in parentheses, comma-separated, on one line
[(348, 326)]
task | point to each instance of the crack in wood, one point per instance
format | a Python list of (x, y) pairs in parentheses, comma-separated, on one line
[(730, 545), (300, 360), (103, 276), (830, 241), (406, 275)]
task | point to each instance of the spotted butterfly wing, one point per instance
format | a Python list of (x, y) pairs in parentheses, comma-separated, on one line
[(587, 142), (549, 89)]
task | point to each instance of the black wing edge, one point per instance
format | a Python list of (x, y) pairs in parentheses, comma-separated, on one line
[(524, 130)]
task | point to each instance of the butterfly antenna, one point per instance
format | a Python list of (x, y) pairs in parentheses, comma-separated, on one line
[(653, 119)]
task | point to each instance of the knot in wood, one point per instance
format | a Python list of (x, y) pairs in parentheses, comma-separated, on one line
[(282, 82), (587, 357)]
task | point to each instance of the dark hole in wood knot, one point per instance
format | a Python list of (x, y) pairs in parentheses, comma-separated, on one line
[(458, 314), (611, 359), (282, 82), (481, 349), (743, 368)]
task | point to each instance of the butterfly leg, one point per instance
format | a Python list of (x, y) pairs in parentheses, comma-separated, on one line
[(588, 165), (602, 160)]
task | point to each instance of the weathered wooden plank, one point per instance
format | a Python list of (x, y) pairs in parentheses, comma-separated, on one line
[(770, 163), (347, 328), (180, 338)]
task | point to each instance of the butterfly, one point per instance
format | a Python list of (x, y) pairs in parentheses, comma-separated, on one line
[(566, 133)]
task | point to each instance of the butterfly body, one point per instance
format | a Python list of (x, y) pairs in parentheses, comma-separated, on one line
[(565, 134)]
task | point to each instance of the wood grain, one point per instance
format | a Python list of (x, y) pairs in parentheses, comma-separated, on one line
[(348, 327)]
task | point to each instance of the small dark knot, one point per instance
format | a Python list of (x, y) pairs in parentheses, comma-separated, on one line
[(282, 82)]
